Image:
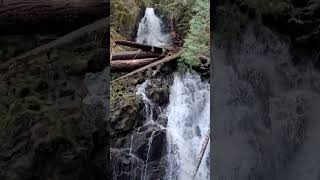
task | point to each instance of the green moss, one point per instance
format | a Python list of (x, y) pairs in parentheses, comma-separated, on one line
[(120, 14), (56, 124), (78, 67), (33, 103), (74, 64), (16, 107)]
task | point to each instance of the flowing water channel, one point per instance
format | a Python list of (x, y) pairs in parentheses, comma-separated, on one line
[(150, 31), (188, 123), (188, 113)]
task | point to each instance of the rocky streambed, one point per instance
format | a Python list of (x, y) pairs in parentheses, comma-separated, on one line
[(134, 141)]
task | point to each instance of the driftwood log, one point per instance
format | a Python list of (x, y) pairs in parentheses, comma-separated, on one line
[(49, 16), (129, 65), (133, 55), (143, 47)]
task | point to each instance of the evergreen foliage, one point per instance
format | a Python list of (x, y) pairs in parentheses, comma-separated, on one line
[(120, 14), (197, 42), (178, 11)]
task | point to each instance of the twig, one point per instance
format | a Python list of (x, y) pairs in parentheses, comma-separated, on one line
[(137, 54)]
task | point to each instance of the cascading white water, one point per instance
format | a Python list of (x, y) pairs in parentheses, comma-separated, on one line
[(148, 105), (188, 112), (149, 31), (188, 122)]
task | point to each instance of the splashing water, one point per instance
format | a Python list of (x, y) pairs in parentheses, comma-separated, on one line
[(148, 105), (188, 112), (149, 31), (188, 122), (149, 148)]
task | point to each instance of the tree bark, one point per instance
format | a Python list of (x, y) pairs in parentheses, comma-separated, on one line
[(143, 47), (129, 65), (130, 55), (161, 61), (49, 16)]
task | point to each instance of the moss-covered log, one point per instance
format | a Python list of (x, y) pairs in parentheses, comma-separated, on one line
[(43, 16), (129, 65)]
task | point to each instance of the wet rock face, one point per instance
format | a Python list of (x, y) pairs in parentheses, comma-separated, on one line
[(141, 154), (158, 91), (266, 103), (138, 148)]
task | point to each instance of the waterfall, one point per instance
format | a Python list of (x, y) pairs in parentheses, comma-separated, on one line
[(149, 31), (188, 114), (188, 122), (148, 105), (149, 148)]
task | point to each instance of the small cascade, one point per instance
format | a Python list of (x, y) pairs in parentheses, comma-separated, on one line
[(131, 140), (147, 102), (148, 152), (188, 122), (149, 31)]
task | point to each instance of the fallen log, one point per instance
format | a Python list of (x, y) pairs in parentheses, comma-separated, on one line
[(49, 16), (101, 24), (164, 60), (200, 157), (143, 47), (129, 65), (133, 55)]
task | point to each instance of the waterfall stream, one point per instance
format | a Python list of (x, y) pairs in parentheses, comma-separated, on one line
[(188, 113), (188, 122), (149, 31), (148, 105)]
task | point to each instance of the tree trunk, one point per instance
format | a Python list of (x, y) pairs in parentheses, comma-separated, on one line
[(49, 16), (129, 65), (143, 47), (130, 55)]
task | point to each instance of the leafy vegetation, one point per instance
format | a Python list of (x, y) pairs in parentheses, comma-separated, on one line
[(179, 12), (120, 14), (197, 42)]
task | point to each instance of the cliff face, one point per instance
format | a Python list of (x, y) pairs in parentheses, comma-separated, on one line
[(53, 114)]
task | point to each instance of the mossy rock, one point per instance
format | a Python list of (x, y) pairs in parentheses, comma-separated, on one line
[(159, 93)]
